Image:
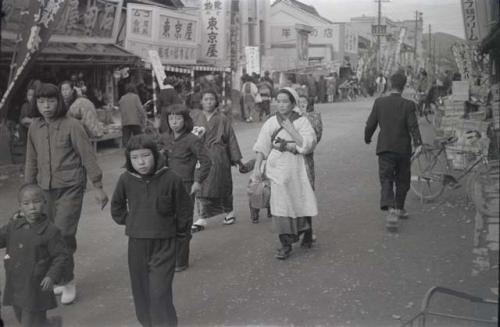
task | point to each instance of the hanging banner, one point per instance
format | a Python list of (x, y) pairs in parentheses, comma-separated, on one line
[(81, 21), (173, 35), (213, 29), (252, 57), (471, 21), (158, 69), (40, 19)]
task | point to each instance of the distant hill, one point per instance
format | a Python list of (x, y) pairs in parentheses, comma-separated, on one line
[(444, 55)]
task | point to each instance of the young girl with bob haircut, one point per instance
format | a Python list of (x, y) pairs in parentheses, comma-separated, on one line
[(217, 134), (59, 156), (183, 150), (153, 204)]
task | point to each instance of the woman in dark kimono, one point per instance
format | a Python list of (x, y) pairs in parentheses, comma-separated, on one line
[(217, 134)]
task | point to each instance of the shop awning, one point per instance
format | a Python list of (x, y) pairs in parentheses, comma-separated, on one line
[(492, 40), (59, 53)]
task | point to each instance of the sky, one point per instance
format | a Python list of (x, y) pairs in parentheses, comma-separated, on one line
[(444, 15)]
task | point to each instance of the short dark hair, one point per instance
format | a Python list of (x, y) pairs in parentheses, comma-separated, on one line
[(29, 187), (138, 142), (48, 90), (130, 88), (398, 81), (181, 110), (210, 91)]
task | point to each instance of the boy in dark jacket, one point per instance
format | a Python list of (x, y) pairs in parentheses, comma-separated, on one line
[(153, 204), (34, 259), (398, 127)]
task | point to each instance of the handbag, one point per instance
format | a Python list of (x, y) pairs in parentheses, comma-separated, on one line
[(259, 193)]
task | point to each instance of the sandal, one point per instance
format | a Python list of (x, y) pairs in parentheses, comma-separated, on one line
[(229, 220), (197, 228)]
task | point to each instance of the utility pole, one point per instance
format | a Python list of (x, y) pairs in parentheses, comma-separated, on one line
[(378, 34), (429, 48), (418, 18)]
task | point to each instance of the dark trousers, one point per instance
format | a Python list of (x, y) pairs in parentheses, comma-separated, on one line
[(151, 264), (31, 318), (183, 241), (265, 109), (128, 131), (64, 209), (394, 173)]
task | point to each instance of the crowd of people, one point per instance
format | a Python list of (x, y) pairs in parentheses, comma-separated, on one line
[(173, 182)]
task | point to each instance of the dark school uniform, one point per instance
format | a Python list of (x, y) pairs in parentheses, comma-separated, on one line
[(156, 210), (216, 195), (398, 126), (182, 155), (59, 158), (33, 252)]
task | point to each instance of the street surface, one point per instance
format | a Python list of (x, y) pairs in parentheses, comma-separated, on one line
[(357, 274)]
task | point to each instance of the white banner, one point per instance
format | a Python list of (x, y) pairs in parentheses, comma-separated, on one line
[(160, 75), (213, 29), (252, 57)]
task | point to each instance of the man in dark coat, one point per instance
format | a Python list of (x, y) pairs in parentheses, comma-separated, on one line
[(398, 127)]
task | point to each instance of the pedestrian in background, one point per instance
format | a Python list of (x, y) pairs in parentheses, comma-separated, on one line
[(132, 113), (217, 134), (82, 109), (322, 92), (283, 141), (249, 92), (153, 204), (317, 124), (59, 157), (265, 91), (24, 116), (183, 151), (34, 259), (398, 124), (380, 81)]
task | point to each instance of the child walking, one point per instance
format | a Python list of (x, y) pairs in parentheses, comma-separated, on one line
[(59, 156), (217, 134), (153, 204), (183, 150), (34, 259)]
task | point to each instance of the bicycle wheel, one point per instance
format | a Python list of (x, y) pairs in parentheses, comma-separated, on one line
[(427, 171), (484, 188)]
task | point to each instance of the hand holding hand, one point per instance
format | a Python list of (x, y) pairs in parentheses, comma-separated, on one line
[(256, 176), (101, 198), (47, 284), (195, 188)]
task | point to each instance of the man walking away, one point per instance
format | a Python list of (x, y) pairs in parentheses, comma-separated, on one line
[(398, 126)]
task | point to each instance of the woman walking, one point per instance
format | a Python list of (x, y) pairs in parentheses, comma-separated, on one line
[(283, 141), (132, 112), (216, 194)]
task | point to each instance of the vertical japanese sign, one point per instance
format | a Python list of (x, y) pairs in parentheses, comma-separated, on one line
[(213, 29), (40, 19), (302, 46), (158, 69), (252, 57), (471, 21)]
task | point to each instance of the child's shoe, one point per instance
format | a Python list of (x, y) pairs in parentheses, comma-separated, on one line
[(403, 214), (58, 289), (392, 220), (181, 268), (69, 293)]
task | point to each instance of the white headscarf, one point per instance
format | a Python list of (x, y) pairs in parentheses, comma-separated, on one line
[(292, 91)]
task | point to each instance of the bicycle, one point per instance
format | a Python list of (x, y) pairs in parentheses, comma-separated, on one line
[(432, 173), (425, 108)]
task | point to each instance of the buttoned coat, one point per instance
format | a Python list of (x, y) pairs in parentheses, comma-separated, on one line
[(33, 252)]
